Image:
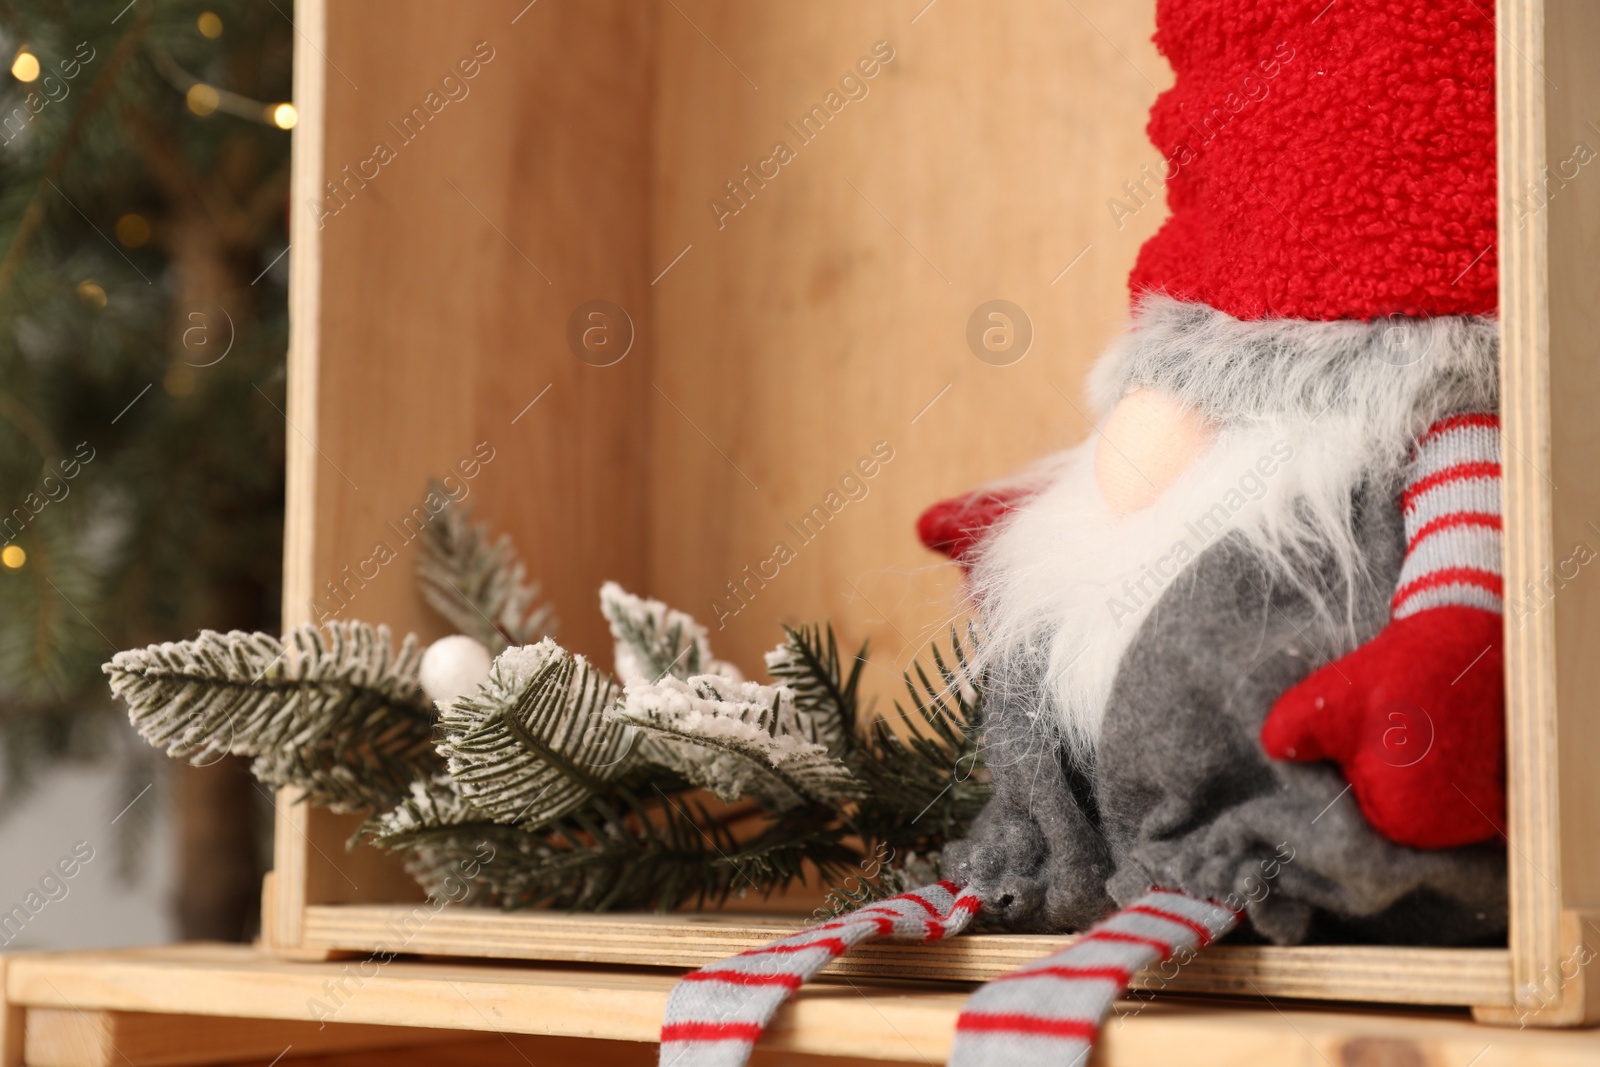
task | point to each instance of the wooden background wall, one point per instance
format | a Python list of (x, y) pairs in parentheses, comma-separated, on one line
[(445, 285), (826, 316), (831, 311), (774, 348)]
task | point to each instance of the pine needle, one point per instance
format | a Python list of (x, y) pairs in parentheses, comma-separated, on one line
[(336, 711), (477, 584)]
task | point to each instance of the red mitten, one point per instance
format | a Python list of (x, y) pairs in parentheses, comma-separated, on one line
[(955, 526), (1416, 717)]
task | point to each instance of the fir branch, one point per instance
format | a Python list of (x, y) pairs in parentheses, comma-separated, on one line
[(736, 739), (534, 743), (925, 783), (51, 643), (824, 698), (653, 640), (434, 808), (477, 584), (625, 852), (487, 858), (336, 712)]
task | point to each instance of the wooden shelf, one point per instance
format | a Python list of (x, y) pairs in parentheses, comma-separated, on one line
[(124, 992), (1465, 977)]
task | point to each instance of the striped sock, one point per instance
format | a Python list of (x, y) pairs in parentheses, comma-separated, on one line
[(1049, 1012), (1452, 515), (715, 1015)]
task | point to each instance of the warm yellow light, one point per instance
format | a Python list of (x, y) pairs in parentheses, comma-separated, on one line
[(25, 68), (283, 116), (209, 24), (133, 230), (201, 98), (91, 293), (13, 557)]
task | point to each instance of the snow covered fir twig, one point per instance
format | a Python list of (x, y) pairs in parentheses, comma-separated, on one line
[(675, 782)]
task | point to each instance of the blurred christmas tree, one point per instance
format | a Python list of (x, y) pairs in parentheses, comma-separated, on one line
[(144, 165)]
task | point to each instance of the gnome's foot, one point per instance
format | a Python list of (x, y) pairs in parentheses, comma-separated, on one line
[(1027, 881)]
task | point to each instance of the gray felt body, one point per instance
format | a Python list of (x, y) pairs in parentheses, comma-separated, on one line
[(1182, 795)]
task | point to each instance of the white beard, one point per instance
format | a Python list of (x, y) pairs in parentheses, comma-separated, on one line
[(1064, 583)]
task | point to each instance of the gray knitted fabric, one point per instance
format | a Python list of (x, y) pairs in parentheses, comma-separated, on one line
[(1182, 796)]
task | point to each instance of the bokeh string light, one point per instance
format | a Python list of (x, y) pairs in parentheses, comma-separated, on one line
[(25, 67), (204, 99)]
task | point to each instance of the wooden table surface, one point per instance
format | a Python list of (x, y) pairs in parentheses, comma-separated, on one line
[(202, 1004)]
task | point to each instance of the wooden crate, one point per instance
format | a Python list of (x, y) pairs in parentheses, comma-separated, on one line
[(434, 286)]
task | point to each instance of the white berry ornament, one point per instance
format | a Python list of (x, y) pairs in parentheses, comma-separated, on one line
[(452, 667)]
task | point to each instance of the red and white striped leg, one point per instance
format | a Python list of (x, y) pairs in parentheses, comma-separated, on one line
[(715, 1015), (1049, 1012)]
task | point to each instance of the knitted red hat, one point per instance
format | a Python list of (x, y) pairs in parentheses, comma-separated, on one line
[(1326, 160)]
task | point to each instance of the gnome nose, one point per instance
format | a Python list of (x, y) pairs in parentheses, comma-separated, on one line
[(1145, 445)]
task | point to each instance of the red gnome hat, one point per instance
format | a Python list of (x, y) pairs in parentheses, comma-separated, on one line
[(1326, 160)]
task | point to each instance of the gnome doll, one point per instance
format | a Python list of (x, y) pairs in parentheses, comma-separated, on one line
[(1242, 647), (1257, 613)]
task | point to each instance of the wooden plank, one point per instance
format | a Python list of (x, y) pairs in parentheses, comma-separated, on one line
[(71, 1037), (612, 1004), (502, 1050), (1549, 95), (12, 1021), (280, 925), (1572, 42), (1206, 1036), (519, 1051), (900, 1022), (1533, 788), (508, 1050), (303, 472), (1396, 975)]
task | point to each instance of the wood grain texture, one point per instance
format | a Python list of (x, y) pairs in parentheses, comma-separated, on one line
[(13, 1022), (98, 1038), (1572, 118), (903, 1022), (831, 311), (429, 310), (447, 282), (1549, 100), (283, 908), (520, 1050), (1401, 976), (305, 304)]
